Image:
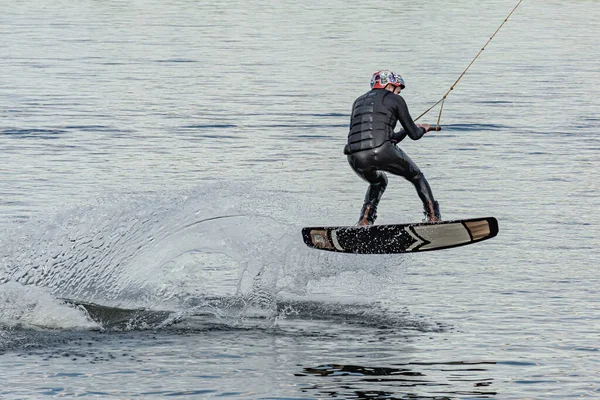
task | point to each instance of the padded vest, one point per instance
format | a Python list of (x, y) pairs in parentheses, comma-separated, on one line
[(373, 120)]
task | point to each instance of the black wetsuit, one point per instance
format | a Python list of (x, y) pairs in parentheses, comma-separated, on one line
[(372, 148)]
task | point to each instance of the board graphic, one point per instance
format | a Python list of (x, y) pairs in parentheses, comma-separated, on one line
[(401, 238)]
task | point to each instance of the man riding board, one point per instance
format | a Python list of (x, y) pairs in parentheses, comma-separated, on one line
[(372, 149)]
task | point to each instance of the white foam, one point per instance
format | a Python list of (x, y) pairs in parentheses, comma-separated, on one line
[(34, 307)]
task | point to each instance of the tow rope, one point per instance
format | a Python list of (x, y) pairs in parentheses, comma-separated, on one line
[(443, 99)]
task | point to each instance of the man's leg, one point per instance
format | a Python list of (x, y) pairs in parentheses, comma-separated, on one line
[(361, 164), (402, 165), (377, 184)]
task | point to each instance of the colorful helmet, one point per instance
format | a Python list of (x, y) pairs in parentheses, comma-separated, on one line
[(381, 79)]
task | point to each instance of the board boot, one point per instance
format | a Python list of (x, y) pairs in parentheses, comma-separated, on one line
[(368, 214), (432, 211)]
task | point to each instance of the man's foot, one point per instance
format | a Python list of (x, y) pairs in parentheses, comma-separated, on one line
[(432, 212), (368, 215)]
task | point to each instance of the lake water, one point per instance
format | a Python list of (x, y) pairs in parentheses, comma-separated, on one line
[(126, 128)]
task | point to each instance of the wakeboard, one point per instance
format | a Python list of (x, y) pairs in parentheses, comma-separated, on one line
[(401, 238)]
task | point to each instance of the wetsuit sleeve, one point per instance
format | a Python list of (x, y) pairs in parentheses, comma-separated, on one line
[(399, 136), (408, 125)]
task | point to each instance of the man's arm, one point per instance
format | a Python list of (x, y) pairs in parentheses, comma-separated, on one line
[(399, 136), (414, 131)]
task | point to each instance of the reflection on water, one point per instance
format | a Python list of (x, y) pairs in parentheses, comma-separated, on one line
[(358, 382)]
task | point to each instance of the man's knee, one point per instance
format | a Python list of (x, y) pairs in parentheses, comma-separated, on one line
[(376, 188), (381, 181)]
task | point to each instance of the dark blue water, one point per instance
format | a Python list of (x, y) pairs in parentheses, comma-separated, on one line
[(159, 160)]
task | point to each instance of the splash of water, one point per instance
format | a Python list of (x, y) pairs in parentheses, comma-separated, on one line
[(172, 252)]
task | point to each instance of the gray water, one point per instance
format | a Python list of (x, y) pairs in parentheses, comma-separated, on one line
[(127, 127)]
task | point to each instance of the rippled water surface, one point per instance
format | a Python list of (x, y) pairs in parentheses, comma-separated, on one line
[(158, 160)]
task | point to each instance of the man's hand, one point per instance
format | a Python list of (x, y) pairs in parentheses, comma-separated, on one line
[(426, 126)]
